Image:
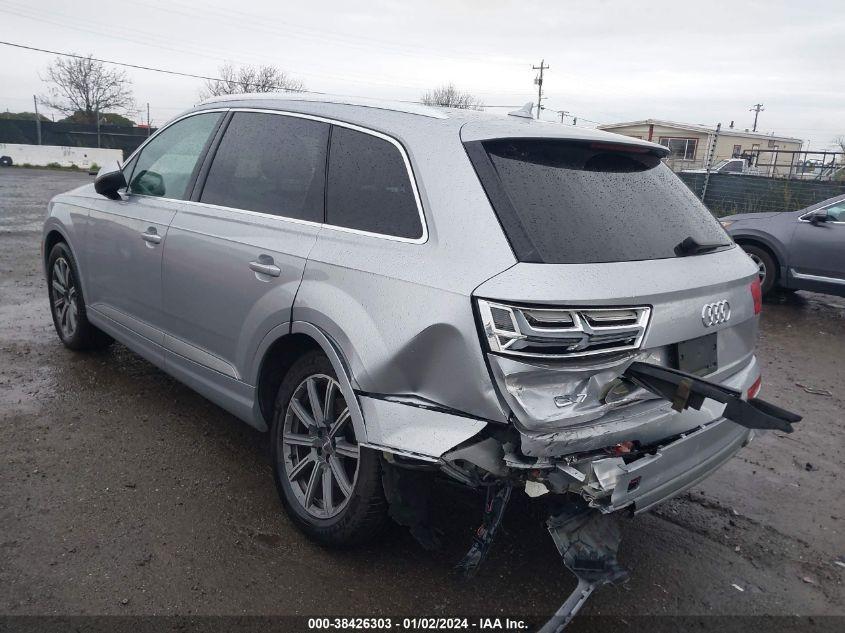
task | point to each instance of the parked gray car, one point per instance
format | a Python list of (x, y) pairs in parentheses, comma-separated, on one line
[(796, 250), (396, 292)]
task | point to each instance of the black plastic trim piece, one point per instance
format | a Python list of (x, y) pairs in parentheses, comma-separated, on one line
[(521, 245), (685, 390), (204, 166)]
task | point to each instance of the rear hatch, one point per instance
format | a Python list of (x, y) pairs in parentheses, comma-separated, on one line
[(618, 261)]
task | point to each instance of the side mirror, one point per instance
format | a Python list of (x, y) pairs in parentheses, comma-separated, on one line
[(110, 180), (818, 217)]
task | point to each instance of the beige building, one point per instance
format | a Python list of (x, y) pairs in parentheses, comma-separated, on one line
[(689, 145)]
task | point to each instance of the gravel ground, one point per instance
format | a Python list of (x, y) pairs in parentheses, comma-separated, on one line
[(124, 493)]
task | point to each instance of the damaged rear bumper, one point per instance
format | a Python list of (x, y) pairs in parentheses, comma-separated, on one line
[(647, 422), (635, 456), (672, 469)]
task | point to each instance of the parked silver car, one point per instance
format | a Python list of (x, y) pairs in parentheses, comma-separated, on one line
[(395, 291)]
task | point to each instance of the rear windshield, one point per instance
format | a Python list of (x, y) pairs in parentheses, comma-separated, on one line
[(565, 202)]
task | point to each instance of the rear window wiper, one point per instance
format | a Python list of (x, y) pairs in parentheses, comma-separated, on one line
[(690, 246)]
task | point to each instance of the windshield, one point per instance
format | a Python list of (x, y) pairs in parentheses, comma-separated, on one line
[(719, 165), (567, 202)]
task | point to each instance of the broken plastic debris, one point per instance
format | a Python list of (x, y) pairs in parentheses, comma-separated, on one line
[(572, 472), (494, 509), (588, 541), (535, 488), (737, 587), (607, 471)]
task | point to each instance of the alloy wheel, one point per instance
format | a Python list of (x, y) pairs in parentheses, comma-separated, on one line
[(65, 296), (319, 452), (761, 267)]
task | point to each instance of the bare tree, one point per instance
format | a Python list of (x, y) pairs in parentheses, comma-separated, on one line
[(839, 142), (84, 85), (449, 96), (250, 79)]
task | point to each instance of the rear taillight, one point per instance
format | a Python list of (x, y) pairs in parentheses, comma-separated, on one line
[(553, 332), (757, 295), (754, 389)]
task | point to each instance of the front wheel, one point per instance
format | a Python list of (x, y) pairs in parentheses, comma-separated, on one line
[(329, 484), (766, 266), (67, 304)]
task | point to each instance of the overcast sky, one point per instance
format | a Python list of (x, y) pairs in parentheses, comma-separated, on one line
[(610, 61)]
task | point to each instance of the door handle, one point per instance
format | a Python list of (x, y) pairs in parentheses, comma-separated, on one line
[(151, 236), (265, 266)]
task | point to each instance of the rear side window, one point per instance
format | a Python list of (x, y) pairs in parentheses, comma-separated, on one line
[(369, 188), (270, 163), (166, 164), (567, 202)]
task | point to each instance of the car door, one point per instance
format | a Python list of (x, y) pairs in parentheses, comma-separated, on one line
[(236, 252), (126, 237), (817, 251)]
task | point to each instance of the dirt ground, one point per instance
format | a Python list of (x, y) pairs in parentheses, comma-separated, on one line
[(124, 493)]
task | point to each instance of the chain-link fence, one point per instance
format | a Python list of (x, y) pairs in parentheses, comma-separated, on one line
[(73, 135), (800, 165), (732, 193)]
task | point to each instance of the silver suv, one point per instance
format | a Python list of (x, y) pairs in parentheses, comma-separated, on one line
[(395, 291)]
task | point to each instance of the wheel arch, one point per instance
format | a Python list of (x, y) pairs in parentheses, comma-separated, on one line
[(753, 240), (54, 233), (51, 238), (280, 352)]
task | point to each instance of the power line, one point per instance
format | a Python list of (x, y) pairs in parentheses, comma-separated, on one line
[(561, 113), (107, 61), (155, 41), (184, 74), (262, 22)]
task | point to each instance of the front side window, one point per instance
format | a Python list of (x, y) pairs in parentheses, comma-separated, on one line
[(369, 188), (270, 163), (568, 202), (166, 164), (683, 148)]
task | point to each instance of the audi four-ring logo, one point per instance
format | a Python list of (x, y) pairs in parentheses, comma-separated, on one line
[(715, 313)]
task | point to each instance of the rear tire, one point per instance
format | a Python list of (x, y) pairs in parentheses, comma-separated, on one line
[(67, 304), (766, 265), (330, 487)]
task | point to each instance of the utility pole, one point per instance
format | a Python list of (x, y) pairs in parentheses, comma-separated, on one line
[(97, 115), (37, 119), (539, 81), (757, 108), (562, 114), (148, 118)]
